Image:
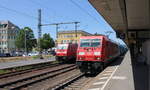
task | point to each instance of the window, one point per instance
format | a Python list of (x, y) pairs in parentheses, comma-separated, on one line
[(95, 42), (5, 42), (16, 31), (64, 41), (62, 47), (68, 41), (85, 43), (3, 25), (90, 42), (5, 37)]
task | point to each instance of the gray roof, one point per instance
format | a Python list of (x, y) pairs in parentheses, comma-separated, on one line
[(73, 31), (5, 22), (8, 23)]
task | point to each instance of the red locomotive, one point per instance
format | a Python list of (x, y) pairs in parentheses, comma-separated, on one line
[(66, 52), (94, 52)]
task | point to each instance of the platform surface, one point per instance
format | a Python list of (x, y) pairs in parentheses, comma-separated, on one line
[(11, 64), (123, 75)]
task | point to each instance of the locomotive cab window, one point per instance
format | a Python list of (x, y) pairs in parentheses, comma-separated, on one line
[(90, 42), (85, 43), (95, 42), (62, 47)]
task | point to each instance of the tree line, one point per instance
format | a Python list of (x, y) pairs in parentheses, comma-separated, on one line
[(26, 35)]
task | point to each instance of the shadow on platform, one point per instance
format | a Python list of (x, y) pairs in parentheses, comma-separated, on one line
[(117, 61), (140, 75)]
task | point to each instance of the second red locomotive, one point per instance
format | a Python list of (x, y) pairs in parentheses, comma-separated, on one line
[(94, 52), (66, 52)]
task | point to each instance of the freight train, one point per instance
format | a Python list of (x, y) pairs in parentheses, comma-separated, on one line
[(94, 52), (66, 52)]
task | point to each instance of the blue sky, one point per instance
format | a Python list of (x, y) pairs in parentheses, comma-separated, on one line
[(24, 13)]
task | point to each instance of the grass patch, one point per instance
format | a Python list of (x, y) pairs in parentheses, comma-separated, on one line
[(7, 59), (15, 69), (36, 57), (4, 71)]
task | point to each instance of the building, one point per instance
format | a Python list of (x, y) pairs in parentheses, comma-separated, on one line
[(70, 36), (8, 33)]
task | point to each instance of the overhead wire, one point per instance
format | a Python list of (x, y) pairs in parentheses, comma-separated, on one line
[(18, 12), (38, 4), (41, 5), (86, 12)]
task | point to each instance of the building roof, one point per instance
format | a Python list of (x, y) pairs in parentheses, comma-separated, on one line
[(8, 23), (73, 31), (5, 22)]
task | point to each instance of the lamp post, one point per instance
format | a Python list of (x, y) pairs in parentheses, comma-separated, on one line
[(76, 30), (25, 42)]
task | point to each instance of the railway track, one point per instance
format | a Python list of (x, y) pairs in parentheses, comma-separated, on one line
[(40, 67), (75, 83), (28, 79)]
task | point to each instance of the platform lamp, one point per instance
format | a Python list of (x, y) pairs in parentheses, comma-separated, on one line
[(25, 40)]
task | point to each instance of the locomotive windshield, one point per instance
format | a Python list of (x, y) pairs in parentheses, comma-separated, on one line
[(62, 47), (89, 42)]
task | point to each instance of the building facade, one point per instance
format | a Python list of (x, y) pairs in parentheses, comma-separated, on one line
[(70, 36), (8, 33)]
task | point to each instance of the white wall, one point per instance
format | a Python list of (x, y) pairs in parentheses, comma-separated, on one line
[(146, 50)]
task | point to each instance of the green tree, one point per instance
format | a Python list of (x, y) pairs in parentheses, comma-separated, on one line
[(30, 40), (47, 42)]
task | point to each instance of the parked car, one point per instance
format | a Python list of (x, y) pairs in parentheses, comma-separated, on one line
[(52, 52), (5, 55), (33, 54), (2, 55), (19, 53), (45, 53)]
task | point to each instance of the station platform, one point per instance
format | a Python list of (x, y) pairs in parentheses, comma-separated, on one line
[(122, 75), (12, 64)]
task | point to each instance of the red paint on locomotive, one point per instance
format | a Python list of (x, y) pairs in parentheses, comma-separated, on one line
[(66, 52), (95, 52)]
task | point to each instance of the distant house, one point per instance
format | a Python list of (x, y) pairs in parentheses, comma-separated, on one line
[(70, 36), (8, 33)]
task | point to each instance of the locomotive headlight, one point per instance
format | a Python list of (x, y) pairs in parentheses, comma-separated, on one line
[(98, 58), (81, 53), (97, 53), (65, 52)]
